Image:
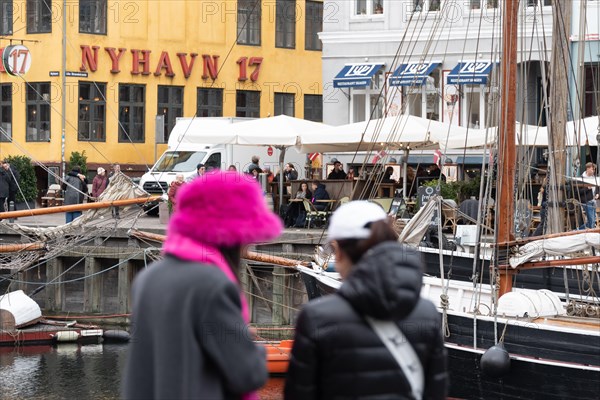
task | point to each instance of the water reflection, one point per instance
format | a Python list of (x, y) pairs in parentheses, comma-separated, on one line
[(74, 372)]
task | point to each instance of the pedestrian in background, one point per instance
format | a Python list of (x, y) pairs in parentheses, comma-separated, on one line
[(99, 183), (12, 175), (173, 189), (75, 188), (200, 170), (339, 350), (190, 316)]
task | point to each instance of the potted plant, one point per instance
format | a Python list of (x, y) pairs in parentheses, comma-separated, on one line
[(80, 159), (27, 180)]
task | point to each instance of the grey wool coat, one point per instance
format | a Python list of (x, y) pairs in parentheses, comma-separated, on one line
[(189, 340)]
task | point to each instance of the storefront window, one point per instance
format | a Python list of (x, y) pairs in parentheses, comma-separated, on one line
[(6, 112), (131, 113), (38, 112), (92, 112)]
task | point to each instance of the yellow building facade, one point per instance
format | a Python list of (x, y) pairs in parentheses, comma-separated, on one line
[(101, 71)]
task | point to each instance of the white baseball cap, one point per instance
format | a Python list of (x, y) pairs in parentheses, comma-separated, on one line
[(351, 220)]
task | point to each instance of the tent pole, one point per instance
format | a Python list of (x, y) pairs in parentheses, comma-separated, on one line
[(405, 173), (281, 158)]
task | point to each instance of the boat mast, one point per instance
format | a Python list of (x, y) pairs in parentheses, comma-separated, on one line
[(506, 143), (559, 94)]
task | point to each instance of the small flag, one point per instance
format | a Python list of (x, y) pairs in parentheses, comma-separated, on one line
[(378, 156), (437, 157), (313, 156)]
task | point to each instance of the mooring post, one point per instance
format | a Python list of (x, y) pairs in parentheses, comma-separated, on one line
[(124, 285), (246, 285), (92, 286), (278, 296), (55, 293)]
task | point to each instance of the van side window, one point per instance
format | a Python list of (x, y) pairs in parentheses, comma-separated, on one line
[(214, 161)]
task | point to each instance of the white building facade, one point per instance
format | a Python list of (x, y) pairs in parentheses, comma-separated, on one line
[(436, 59)]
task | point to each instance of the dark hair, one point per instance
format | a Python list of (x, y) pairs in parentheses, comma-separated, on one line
[(336, 163), (76, 168), (199, 166), (233, 257), (381, 231)]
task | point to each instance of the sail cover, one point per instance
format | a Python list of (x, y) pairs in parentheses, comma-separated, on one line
[(559, 246)]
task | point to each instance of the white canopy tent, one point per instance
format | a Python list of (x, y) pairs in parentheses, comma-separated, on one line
[(280, 132)]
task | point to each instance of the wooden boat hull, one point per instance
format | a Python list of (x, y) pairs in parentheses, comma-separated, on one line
[(44, 335)]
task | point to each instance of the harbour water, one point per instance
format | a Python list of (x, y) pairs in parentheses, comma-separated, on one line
[(70, 371)]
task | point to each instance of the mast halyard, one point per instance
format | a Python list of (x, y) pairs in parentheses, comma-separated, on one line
[(506, 143)]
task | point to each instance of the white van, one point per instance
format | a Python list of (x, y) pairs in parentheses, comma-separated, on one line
[(186, 150)]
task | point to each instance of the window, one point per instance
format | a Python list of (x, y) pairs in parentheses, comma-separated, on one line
[(6, 17), (248, 22), (38, 112), (314, 25), (313, 107), (39, 16), (6, 113), (170, 104), (426, 5), (131, 113), (538, 3), (424, 101), (247, 104), (92, 112), (366, 102), (592, 90), (284, 104), (368, 7), (285, 25), (210, 103), (92, 16)]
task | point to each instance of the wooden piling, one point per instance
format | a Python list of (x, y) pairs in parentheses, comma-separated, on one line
[(55, 294), (124, 285), (92, 286)]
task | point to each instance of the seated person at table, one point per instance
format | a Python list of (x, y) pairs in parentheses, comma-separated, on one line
[(387, 175), (337, 172), (319, 193), (296, 207)]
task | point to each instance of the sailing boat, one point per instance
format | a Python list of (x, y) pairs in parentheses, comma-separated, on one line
[(505, 342)]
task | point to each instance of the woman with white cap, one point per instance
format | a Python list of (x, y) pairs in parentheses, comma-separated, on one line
[(376, 337), (189, 321)]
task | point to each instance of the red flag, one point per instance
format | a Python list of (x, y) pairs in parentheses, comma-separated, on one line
[(437, 158), (378, 156), (313, 156)]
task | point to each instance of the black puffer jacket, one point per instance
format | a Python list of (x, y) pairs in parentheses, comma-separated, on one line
[(337, 355)]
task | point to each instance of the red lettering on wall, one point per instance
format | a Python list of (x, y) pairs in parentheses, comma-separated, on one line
[(137, 61), (185, 67), (89, 58), (164, 62), (210, 66), (1, 63), (255, 61), (115, 58), (243, 76)]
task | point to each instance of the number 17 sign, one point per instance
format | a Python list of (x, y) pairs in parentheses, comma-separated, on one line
[(16, 60)]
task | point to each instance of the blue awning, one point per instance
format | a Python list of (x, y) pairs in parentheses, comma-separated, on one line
[(470, 73), (413, 74), (356, 75)]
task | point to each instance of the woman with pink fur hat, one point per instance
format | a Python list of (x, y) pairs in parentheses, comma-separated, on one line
[(189, 321)]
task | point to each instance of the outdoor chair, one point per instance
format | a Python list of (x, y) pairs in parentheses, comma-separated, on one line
[(385, 203), (450, 213), (312, 214), (53, 196)]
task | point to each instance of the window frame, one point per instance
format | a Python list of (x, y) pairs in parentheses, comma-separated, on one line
[(95, 103), (172, 109), (37, 11), (6, 111), (41, 106), (311, 38), (126, 107), (285, 25), (212, 109), (100, 19), (370, 10), (311, 110), (249, 110), (247, 10), (6, 17), (287, 100)]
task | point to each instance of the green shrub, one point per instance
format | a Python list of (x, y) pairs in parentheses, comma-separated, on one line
[(80, 159), (27, 178), (459, 190)]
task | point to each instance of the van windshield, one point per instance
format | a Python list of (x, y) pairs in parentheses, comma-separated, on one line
[(179, 161)]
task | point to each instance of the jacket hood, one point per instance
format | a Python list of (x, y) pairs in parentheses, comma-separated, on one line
[(386, 282)]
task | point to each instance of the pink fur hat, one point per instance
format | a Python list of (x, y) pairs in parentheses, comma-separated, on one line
[(224, 209)]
